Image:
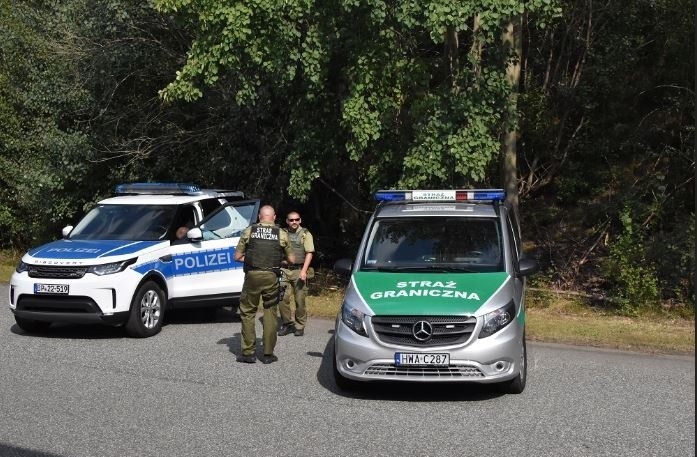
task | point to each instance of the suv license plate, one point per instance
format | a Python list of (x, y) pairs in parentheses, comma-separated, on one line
[(421, 359), (61, 289)]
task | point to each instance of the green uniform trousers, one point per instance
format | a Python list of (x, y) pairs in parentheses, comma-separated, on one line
[(298, 289), (256, 283)]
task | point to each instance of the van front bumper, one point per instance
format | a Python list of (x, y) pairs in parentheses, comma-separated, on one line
[(494, 359)]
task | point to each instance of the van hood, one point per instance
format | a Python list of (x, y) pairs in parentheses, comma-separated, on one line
[(75, 250), (435, 294)]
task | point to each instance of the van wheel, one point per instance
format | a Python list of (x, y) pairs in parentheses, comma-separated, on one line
[(342, 382), (517, 384), (31, 326), (147, 311)]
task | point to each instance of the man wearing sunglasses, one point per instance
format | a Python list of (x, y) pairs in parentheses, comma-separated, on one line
[(297, 274)]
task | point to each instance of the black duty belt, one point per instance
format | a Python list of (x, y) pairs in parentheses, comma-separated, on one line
[(251, 268)]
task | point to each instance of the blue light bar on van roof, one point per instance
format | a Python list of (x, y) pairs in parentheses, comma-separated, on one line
[(457, 195), (157, 188)]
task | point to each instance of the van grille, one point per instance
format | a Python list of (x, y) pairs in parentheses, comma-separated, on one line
[(447, 330), (388, 369), (56, 272)]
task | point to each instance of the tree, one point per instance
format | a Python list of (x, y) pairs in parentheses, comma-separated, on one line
[(386, 85), (41, 143)]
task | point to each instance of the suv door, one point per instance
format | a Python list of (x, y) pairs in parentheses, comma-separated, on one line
[(203, 272)]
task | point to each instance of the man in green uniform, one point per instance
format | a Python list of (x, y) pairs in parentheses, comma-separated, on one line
[(297, 275), (262, 247)]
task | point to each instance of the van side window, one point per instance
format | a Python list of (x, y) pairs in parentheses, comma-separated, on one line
[(514, 240)]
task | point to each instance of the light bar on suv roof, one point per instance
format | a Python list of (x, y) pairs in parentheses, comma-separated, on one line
[(455, 195), (157, 188)]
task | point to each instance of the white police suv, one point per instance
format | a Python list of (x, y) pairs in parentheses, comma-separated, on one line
[(124, 264), (436, 293)]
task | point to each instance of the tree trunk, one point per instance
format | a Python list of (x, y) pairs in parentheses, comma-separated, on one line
[(513, 48)]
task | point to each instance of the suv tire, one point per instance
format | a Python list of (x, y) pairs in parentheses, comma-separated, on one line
[(147, 311)]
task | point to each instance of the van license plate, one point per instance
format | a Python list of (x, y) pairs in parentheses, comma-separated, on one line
[(419, 359), (61, 289)]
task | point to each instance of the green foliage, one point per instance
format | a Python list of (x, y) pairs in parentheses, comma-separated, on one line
[(42, 147), (608, 123), (395, 83), (634, 278)]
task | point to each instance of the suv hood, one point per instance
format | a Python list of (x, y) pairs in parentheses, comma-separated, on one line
[(427, 293), (72, 251)]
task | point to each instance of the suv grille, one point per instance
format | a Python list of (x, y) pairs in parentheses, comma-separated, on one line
[(54, 272), (446, 330)]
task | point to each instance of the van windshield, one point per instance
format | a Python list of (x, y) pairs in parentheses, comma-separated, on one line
[(466, 244), (125, 222)]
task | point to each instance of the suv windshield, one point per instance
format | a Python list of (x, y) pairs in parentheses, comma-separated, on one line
[(125, 222), (434, 244)]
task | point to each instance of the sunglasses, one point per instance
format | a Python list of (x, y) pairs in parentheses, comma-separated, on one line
[(294, 220)]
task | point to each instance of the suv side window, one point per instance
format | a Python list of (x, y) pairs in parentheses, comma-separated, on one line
[(209, 205), (230, 220)]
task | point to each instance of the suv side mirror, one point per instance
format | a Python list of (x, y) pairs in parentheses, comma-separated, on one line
[(66, 230), (342, 267), (194, 234), (527, 267)]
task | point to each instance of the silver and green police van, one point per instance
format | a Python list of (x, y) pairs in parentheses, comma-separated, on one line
[(436, 293)]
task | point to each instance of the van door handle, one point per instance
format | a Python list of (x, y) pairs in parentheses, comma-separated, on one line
[(166, 258)]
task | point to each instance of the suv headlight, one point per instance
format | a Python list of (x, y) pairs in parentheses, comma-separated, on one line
[(353, 319), (110, 268), (22, 267), (497, 319)]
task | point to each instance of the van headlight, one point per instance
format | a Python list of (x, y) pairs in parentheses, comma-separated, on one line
[(110, 268), (353, 319), (21, 267), (497, 319)]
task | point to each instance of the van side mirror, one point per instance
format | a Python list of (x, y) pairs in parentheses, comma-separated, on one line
[(527, 267), (66, 230), (342, 267)]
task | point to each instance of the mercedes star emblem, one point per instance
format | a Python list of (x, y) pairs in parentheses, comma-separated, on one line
[(422, 330)]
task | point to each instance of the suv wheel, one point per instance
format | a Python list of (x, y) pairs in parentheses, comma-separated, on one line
[(30, 325), (147, 311)]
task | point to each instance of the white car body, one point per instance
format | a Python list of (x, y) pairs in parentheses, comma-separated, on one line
[(81, 278)]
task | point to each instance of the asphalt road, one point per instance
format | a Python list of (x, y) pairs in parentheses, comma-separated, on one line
[(90, 391)]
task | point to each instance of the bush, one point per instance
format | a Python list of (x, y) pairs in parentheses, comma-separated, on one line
[(633, 277)]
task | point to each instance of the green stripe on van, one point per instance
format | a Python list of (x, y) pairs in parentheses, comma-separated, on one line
[(435, 294)]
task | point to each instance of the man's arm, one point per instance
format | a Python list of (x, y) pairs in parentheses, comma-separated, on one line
[(309, 246), (242, 246)]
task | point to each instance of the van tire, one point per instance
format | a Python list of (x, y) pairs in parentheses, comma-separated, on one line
[(517, 385), (343, 383), (147, 311), (31, 325)]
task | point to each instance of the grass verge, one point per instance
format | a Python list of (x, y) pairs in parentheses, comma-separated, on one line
[(551, 318), (558, 318), (569, 323)]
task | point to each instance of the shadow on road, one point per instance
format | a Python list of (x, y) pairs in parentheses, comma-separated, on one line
[(101, 331), (11, 451), (399, 390)]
